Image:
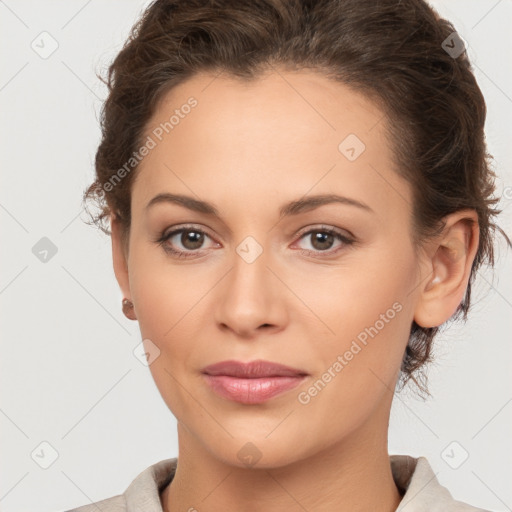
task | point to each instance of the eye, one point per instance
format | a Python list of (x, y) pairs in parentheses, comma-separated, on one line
[(188, 240), (322, 240)]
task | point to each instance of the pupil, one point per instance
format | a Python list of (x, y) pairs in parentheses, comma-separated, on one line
[(193, 238), (321, 237)]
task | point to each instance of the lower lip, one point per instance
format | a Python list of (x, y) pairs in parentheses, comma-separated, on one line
[(251, 391)]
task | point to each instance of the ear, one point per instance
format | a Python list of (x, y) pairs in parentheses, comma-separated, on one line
[(449, 260), (120, 260)]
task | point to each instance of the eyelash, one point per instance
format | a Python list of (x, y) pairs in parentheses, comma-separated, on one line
[(164, 237)]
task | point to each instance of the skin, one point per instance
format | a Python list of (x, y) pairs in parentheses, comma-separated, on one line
[(249, 148)]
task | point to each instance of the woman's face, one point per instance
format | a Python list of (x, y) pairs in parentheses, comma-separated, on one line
[(262, 279)]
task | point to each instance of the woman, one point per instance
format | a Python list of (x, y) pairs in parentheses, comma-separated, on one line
[(298, 195)]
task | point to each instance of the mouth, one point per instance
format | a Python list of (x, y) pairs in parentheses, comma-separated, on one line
[(252, 383)]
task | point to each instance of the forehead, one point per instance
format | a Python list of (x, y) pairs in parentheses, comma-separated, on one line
[(285, 130)]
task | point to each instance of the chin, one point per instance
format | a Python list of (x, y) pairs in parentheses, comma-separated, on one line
[(256, 452)]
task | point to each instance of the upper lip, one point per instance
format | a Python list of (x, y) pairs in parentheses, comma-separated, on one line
[(252, 369)]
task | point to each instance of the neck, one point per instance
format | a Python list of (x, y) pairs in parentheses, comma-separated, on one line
[(353, 475)]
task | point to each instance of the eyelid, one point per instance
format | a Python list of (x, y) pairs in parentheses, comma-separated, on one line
[(308, 229), (184, 227), (325, 227)]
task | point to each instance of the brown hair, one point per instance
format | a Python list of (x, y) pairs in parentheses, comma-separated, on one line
[(389, 50)]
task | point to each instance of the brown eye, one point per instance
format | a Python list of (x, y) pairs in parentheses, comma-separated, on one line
[(321, 240), (186, 242), (192, 239)]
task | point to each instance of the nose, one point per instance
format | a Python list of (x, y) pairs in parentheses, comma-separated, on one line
[(250, 298)]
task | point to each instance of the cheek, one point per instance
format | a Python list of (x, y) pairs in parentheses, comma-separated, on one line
[(370, 312), (168, 305), (171, 307), (165, 293), (368, 308)]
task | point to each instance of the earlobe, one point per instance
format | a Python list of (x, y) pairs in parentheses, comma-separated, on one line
[(128, 310), (450, 266), (119, 259)]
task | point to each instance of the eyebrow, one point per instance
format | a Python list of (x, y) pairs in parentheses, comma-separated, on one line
[(292, 208)]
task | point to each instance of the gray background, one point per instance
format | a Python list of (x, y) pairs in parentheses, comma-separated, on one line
[(68, 375)]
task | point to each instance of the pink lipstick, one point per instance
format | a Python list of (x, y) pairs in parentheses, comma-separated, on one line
[(251, 383)]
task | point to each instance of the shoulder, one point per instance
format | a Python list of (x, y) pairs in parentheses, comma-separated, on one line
[(143, 493), (422, 491)]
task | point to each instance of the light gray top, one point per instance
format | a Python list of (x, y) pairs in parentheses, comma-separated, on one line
[(413, 476)]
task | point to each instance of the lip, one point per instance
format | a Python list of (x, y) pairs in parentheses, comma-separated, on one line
[(252, 370), (251, 383)]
